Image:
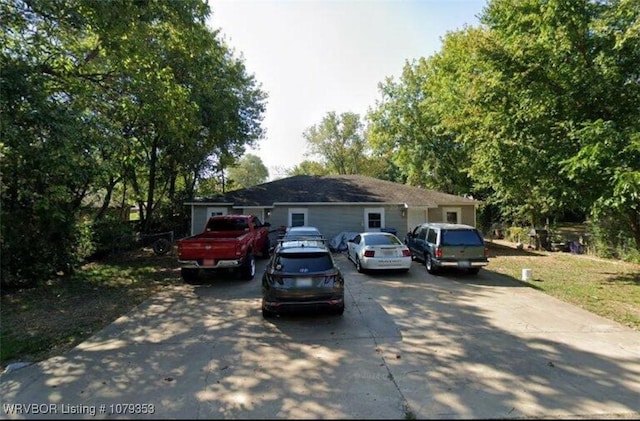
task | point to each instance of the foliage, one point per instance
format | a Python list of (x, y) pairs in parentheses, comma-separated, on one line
[(517, 234), (611, 237), (250, 171), (339, 142), (112, 235), (308, 167), (134, 99), (406, 129), (535, 111)]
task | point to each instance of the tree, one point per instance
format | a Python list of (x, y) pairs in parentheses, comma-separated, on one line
[(308, 167), (250, 171), (407, 128), (339, 142), (567, 96), (97, 97)]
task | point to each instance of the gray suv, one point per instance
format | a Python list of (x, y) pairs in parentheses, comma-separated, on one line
[(441, 245)]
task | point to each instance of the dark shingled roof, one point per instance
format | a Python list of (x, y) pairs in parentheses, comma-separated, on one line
[(335, 189)]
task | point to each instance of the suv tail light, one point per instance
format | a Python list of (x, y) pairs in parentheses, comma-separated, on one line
[(274, 278), (438, 252), (369, 253), (486, 252)]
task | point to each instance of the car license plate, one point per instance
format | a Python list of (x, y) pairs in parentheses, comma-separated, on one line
[(303, 282), (208, 262), (464, 264), (387, 252)]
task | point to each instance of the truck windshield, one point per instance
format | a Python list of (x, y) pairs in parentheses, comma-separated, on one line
[(233, 224)]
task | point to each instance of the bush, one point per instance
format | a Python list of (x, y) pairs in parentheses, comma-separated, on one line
[(517, 234), (611, 238), (110, 235)]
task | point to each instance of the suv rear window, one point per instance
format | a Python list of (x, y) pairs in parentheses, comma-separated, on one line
[(461, 238), (303, 262)]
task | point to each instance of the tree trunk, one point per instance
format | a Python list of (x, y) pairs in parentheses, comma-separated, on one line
[(634, 219)]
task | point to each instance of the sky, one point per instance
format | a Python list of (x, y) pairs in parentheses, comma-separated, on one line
[(316, 57)]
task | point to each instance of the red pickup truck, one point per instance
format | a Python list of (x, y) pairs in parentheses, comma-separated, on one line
[(229, 242)]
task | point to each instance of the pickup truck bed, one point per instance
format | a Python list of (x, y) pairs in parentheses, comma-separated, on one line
[(228, 242)]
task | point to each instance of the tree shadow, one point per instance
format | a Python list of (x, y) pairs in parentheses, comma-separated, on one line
[(408, 346)]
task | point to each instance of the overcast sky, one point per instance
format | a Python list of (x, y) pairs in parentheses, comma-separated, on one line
[(313, 57)]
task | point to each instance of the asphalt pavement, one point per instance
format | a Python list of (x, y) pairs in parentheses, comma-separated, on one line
[(409, 346)]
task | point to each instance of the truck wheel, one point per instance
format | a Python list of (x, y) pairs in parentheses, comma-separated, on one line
[(429, 264), (248, 268), (189, 275), (265, 249)]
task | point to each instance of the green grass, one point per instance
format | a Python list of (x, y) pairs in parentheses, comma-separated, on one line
[(606, 287), (41, 322)]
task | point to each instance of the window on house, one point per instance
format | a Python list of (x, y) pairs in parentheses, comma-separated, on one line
[(374, 220), (452, 216), (297, 219)]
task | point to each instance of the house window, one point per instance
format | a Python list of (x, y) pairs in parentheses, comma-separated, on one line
[(298, 217), (451, 215), (216, 211), (373, 219)]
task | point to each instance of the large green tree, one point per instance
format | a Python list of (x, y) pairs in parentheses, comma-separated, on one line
[(249, 171), (564, 104), (338, 141), (138, 98)]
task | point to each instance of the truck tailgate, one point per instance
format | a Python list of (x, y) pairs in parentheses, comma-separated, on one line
[(208, 248)]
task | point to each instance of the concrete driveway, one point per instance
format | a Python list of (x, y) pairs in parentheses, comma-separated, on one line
[(408, 346)]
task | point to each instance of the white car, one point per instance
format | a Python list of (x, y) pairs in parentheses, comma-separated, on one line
[(378, 250)]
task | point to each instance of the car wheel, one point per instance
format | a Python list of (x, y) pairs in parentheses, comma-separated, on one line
[(249, 268), (189, 275), (358, 265), (429, 264)]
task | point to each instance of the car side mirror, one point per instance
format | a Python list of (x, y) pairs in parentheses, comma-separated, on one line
[(350, 241)]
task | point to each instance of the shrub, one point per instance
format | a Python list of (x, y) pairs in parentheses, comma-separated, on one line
[(611, 237), (517, 234), (111, 234)]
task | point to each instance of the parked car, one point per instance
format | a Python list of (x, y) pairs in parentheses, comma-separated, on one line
[(305, 232), (378, 250), (302, 274), (441, 245)]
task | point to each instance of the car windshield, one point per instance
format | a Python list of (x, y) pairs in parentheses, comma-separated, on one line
[(461, 238), (303, 262), (381, 240)]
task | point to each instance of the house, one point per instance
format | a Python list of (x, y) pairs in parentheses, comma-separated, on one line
[(337, 203)]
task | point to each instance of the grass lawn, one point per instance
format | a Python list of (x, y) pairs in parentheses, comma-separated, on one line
[(39, 323), (606, 287)]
